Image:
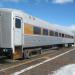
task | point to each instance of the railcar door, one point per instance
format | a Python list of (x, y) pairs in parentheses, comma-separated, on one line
[(18, 31)]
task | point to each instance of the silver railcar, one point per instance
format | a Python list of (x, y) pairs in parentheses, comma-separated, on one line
[(20, 32)]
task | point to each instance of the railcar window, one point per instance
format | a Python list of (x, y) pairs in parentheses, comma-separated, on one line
[(60, 35), (66, 36), (45, 32), (69, 36), (72, 37), (36, 30), (56, 33), (51, 33), (18, 23)]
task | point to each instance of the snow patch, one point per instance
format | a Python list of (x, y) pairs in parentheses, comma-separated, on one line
[(66, 70)]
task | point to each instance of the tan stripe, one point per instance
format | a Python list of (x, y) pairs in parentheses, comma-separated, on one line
[(28, 29)]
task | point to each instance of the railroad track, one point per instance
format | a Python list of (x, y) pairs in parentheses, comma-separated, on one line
[(20, 64)]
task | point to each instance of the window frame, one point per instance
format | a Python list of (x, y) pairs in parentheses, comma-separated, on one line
[(51, 33), (18, 26), (45, 31), (60, 34), (56, 34), (36, 31)]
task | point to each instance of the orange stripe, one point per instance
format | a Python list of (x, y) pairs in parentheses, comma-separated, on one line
[(28, 29)]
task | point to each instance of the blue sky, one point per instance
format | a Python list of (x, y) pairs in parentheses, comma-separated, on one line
[(60, 12)]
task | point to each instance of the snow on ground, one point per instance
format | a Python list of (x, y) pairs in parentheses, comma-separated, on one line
[(66, 70)]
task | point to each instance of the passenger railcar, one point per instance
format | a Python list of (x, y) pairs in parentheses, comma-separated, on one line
[(20, 32)]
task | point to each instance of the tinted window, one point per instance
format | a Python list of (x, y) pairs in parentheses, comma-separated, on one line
[(60, 35), (56, 33), (51, 33), (45, 32), (37, 30), (17, 23), (72, 37), (65, 35)]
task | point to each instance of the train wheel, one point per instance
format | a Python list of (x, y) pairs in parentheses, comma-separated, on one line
[(26, 54), (69, 45)]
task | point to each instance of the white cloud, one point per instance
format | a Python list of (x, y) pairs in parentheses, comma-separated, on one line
[(62, 1), (37, 2), (71, 28), (12, 0)]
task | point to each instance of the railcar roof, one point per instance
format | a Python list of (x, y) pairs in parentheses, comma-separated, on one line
[(44, 24)]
